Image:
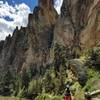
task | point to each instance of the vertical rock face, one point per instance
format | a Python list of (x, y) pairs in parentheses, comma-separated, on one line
[(46, 4), (76, 28), (29, 46), (40, 34), (42, 22), (90, 35), (13, 51), (78, 24)]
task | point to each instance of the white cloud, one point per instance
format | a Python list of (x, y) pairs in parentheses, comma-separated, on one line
[(1, 2), (19, 14), (58, 4)]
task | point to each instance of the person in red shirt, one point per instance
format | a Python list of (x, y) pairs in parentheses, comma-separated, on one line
[(68, 93)]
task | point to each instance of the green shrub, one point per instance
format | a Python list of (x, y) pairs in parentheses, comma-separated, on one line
[(43, 97), (57, 98), (22, 93), (77, 91), (93, 57), (35, 86), (7, 84), (48, 97), (93, 82)]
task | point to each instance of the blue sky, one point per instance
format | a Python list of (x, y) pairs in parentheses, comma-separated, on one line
[(30, 3), (15, 13)]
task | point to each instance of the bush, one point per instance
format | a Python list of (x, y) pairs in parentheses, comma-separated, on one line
[(57, 98), (79, 70), (21, 93), (43, 97), (77, 91), (35, 86), (93, 58), (93, 82), (7, 84), (48, 97), (60, 57)]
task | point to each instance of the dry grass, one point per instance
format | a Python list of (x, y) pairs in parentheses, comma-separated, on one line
[(10, 98)]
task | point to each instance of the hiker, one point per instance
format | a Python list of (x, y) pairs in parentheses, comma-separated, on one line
[(67, 93)]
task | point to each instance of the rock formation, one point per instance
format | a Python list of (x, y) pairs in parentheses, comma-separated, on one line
[(13, 51), (78, 25), (77, 28), (29, 46), (40, 34)]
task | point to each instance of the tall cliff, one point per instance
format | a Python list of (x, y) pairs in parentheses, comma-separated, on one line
[(77, 28), (29, 46), (78, 25)]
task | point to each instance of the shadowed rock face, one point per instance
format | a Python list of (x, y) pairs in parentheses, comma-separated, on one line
[(40, 34), (29, 46), (78, 24), (13, 51), (77, 28), (46, 3)]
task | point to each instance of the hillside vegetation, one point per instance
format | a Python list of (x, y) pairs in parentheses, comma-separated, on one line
[(51, 85)]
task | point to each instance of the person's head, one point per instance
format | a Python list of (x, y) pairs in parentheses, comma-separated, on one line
[(67, 86)]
